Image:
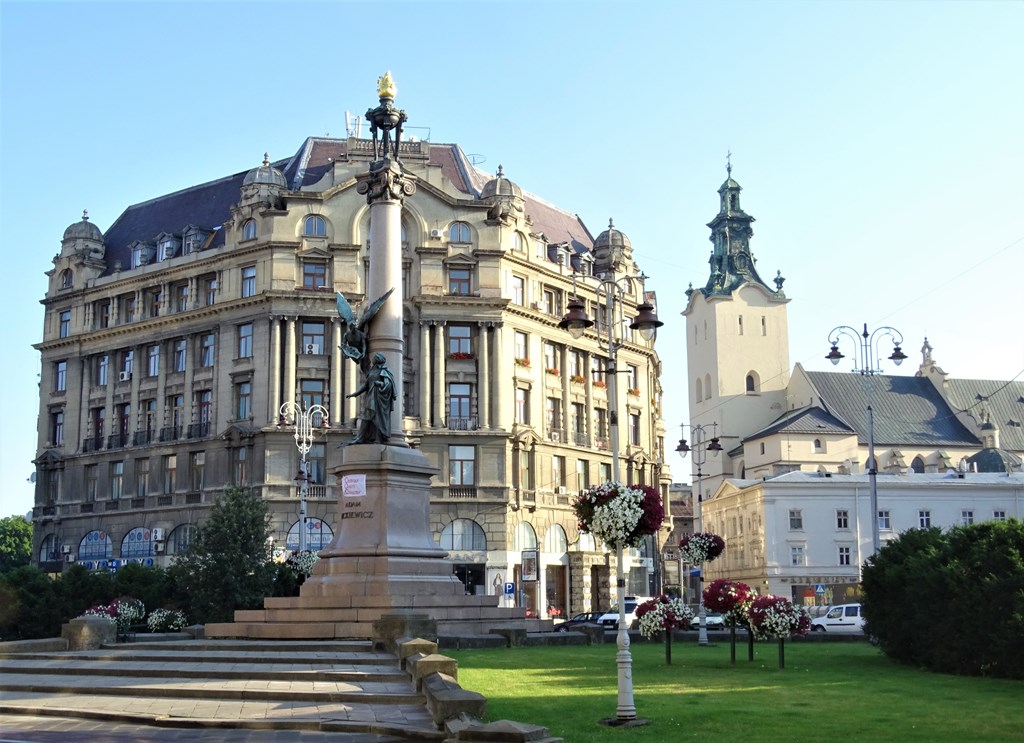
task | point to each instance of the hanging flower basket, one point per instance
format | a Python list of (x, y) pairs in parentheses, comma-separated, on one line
[(619, 515), (663, 614), (776, 618), (731, 598), (461, 356), (701, 547)]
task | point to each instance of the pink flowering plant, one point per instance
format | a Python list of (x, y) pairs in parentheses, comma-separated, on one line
[(776, 618), (701, 547), (619, 515), (661, 614), (731, 598), (124, 610)]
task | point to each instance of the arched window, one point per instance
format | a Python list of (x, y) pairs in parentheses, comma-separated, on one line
[(318, 535), (137, 543), (463, 534), (526, 537), (698, 390), (707, 387), (555, 542), (917, 465), (67, 279), (180, 538), (753, 384), (819, 446), (518, 243), (586, 543), (249, 229), (96, 545), (50, 549), (314, 226), (458, 232)]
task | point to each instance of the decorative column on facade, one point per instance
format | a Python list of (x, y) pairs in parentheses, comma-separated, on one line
[(586, 359), (424, 374), (275, 369), (563, 367), (484, 379), (193, 292), (190, 374), (289, 359), (337, 390), (139, 365), (498, 419), (439, 373)]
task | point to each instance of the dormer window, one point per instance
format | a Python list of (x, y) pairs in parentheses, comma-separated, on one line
[(458, 232), (314, 226), (167, 249), (194, 242), (249, 229), (67, 279)]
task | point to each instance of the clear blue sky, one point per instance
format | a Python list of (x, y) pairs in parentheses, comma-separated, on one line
[(878, 144)]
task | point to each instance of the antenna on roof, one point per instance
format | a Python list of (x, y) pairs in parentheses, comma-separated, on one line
[(477, 159), (353, 124)]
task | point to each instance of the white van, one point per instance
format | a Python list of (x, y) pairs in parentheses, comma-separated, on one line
[(843, 619), (610, 619)]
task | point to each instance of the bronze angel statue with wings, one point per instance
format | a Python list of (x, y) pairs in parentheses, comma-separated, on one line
[(354, 341)]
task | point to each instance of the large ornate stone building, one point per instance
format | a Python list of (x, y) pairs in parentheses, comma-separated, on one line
[(173, 338), (789, 491)]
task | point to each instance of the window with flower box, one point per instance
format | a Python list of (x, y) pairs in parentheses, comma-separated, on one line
[(460, 342)]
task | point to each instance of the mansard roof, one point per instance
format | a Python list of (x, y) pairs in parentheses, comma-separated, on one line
[(908, 410)]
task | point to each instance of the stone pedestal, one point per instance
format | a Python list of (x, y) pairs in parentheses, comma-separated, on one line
[(383, 561), (89, 633)]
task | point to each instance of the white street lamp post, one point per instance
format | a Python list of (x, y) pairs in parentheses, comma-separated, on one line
[(646, 322), (868, 360), (306, 421), (700, 456)]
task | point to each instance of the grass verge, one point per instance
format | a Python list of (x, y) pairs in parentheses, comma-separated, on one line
[(828, 691)]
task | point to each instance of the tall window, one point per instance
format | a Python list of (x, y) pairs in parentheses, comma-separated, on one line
[(458, 232), (598, 366), (605, 470), (153, 299), (578, 420), (67, 279), (64, 327), (525, 469), (103, 314), (924, 519), (522, 405), (206, 350), (141, 477), (550, 303), (127, 361), (460, 281), (553, 413), (91, 481), (204, 405), (57, 427), (632, 378), (312, 392), (576, 370), (176, 404), (248, 281), (123, 413), (314, 226), (128, 308), (844, 555), (245, 341), (460, 342), (148, 419), (522, 347), (551, 357), (796, 519), (249, 229), (884, 520), (314, 274), (116, 480), (313, 337), (197, 467), (459, 402), (181, 297), (460, 465), (243, 400), (316, 464), (99, 422), (209, 285), (519, 290), (153, 360), (634, 429), (240, 466), (60, 376), (842, 519), (180, 348), (601, 422), (582, 474), (102, 368), (796, 555), (557, 471)]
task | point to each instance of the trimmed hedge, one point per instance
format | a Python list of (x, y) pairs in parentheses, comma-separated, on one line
[(951, 601)]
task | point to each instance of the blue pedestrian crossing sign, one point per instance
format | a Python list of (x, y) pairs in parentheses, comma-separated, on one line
[(819, 588)]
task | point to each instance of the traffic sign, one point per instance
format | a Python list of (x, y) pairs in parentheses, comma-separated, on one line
[(819, 588), (510, 589)]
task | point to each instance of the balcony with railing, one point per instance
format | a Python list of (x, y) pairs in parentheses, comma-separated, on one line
[(314, 492), (92, 443), (463, 424), (580, 438), (170, 433), (199, 430), (461, 492), (144, 437), (117, 440), (602, 443)]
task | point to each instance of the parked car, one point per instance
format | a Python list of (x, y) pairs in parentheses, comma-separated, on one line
[(712, 620), (610, 619), (842, 619), (591, 618)]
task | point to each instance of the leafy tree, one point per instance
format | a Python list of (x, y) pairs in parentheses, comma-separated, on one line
[(227, 566), (27, 600), (956, 576), (15, 542)]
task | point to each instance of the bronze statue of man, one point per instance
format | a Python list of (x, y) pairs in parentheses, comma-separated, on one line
[(379, 390)]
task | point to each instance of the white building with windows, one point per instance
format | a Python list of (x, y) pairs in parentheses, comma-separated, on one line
[(172, 339)]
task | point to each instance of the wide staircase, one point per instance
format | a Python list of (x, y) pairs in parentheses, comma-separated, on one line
[(345, 688)]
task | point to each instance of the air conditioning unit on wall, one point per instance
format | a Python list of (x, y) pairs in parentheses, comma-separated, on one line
[(313, 348), (158, 548), (562, 490), (69, 557), (436, 234), (65, 549), (157, 534), (125, 376)]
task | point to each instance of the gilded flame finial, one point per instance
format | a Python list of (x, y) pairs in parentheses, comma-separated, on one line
[(386, 86)]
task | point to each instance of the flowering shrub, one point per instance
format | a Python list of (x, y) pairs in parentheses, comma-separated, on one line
[(776, 618), (701, 546), (302, 561), (662, 613), (732, 598), (124, 610), (166, 620), (619, 515), (461, 356), (577, 378), (522, 362)]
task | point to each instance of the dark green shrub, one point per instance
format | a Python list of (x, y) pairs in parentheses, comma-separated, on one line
[(31, 608), (953, 601)]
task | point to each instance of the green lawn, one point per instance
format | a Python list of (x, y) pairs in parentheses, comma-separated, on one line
[(842, 692)]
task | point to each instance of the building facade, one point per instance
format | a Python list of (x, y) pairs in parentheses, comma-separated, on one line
[(172, 340), (792, 435)]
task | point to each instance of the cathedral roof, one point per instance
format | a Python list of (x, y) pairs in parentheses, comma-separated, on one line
[(812, 420), (994, 460), (1003, 401)]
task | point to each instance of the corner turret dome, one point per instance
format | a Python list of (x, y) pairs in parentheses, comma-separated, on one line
[(612, 238), (84, 229), (265, 174), (501, 186)]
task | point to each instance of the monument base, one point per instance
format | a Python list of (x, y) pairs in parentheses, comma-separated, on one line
[(383, 561)]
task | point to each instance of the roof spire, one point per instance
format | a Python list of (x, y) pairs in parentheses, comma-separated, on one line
[(728, 163), (85, 215), (266, 159)]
